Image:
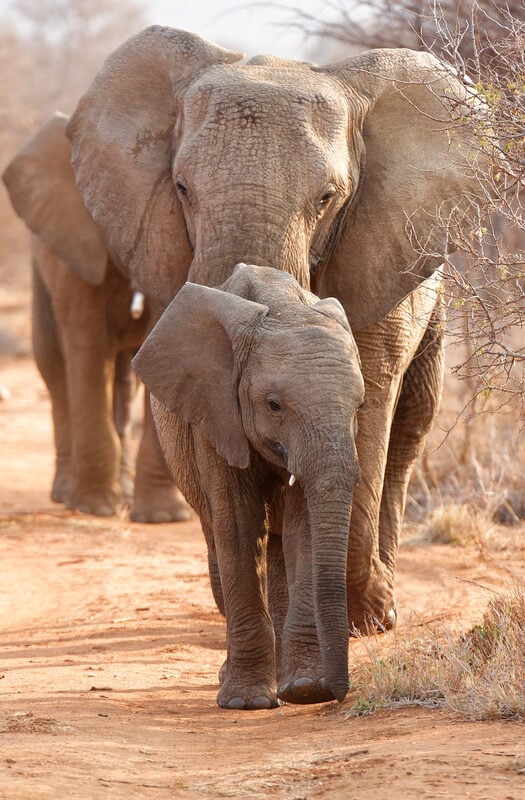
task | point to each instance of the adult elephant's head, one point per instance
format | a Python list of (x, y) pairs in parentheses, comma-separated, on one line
[(191, 162)]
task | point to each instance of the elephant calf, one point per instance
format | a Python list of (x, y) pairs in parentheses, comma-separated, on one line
[(255, 389), (84, 336)]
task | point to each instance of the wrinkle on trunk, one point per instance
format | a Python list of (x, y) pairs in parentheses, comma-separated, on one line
[(255, 238)]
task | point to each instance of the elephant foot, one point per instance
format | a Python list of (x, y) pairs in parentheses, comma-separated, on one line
[(160, 504), (101, 504), (374, 609), (389, 621), (304, 690), (126, 487), (238, 694), (246, 697), (370, 624), (365, 623), (366, 619), (61, 489)]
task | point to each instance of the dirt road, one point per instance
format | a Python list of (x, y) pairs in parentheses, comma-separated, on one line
[(110, 646)]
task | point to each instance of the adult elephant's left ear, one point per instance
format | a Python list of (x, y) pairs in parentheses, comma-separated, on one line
[(42, 188), (122, 152), (418, 167), (188, 363)]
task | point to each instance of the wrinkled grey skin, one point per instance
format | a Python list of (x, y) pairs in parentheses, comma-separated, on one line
[(191, 162), (253, 383), (83, 342)]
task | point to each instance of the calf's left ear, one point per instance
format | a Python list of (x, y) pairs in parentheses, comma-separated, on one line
[(187, 362), (331, 307)]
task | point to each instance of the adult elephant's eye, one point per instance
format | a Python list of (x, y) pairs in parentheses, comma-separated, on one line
[(325, 198), (273, 404), (180, 186)]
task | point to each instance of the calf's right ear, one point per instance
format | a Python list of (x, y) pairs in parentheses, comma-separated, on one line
[(187, 363)]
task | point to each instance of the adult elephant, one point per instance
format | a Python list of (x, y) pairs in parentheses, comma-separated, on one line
[(191, 161), (84, 336)]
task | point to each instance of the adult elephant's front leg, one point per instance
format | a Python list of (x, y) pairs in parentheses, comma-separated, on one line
[(156, 497), (89, 359), (370, 584), (125, 389), (248, 676), (387, 349)]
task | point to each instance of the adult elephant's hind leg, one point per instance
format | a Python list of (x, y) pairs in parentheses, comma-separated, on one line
[(278, 598), (416, 410)]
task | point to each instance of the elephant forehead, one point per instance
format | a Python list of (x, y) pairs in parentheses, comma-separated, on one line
[(285, 344), (252, 95)]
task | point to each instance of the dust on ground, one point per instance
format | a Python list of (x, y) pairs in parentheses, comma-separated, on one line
[(110, 645)]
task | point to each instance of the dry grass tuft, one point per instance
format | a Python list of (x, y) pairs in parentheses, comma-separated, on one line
[(479, 674), (458, 525)]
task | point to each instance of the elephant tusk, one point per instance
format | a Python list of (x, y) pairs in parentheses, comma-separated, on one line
[(136, 309), (291, 480)]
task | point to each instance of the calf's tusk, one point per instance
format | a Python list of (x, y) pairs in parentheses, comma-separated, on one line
[(291, 480)]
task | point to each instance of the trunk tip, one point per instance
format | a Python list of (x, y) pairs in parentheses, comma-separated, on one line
[(340, 694), (339, 690)]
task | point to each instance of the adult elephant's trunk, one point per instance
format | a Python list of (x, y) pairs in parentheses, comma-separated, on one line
[(329, 501), (244, 232)]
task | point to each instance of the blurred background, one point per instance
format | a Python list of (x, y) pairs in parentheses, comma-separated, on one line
[(472, 474)]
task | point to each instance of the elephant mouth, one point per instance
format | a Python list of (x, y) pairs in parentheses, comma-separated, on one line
[(277, 449), (280, 451)]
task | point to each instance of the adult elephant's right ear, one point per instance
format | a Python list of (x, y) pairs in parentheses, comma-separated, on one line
[(42, 188), (122, 138)]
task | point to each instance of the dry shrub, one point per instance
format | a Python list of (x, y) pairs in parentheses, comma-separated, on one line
[(473, 456), (480, 673)]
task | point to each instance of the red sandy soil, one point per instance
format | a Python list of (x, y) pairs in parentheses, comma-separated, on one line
[(110, 645)]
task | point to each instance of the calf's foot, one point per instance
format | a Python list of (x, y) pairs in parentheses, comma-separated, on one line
[(304, 688), (242, 691), (247, 696)]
